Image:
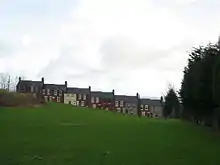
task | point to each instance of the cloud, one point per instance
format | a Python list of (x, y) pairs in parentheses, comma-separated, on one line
[(6, 49), (128, 45)]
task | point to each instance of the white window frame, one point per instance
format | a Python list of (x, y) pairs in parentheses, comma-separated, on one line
[(48, 91), (146, 107), (116, 103), (84, 97), (43, 91), (79, 96), (82, 103), (121, 103), (60, 92), (58, 99), (51, 98), (77, 103), (32, 89), (92, 100), (55, 92), (97, 99)]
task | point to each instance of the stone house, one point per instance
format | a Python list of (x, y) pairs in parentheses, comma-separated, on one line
[(78, 96), (29, 86), (127, 104), (54, 92), (151, 108), (103, 100)]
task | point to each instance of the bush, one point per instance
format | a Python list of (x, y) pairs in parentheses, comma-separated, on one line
[(17, 99)]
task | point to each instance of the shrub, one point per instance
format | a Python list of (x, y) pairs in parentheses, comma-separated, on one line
[(18, 99)]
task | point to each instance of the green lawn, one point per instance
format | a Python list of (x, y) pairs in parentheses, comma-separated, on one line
[(62, 135)]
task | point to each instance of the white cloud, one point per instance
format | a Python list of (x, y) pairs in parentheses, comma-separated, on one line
[(130, 45)]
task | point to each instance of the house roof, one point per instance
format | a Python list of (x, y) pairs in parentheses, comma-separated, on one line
[(131, 99), (78, 90), (29, 82), (55, 86), (152, 102), (102, 94)]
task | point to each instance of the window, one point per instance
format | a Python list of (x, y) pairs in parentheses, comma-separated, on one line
[(58, 99), (94, 106), (32, 89), (60, 93), (121, 103), (43, 91), (48, 91), (51, 98), (77, 103), (79, 97), (146, 107), (46, 98), (142, 106), (97, 99), (116, 103), (55, 92), (84, 97), (92, 100), (82, 103)]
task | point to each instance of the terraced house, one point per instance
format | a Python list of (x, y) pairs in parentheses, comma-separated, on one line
[(127, 104), (96, 99), (29, 86), (78, 96), (54, 92), (103, 100), (151, 108)]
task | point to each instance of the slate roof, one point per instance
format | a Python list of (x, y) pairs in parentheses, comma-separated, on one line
[(151, 102), (30, 82), (102, 94), (130, 99), (54, 86), (78, 90)]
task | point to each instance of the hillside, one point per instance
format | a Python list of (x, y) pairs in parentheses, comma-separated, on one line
[(59, 134)]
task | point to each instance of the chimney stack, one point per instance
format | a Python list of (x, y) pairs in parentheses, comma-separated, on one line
[(66, 83), (19, 79), (42, 80)]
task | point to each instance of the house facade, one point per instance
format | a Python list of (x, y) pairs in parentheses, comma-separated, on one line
[(96, 99), (103, 100), (78, 96), (29, 86), (54, 92), (151, 108), (127, 104)]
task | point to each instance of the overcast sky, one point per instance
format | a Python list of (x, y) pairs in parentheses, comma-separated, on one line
[(129, 45)]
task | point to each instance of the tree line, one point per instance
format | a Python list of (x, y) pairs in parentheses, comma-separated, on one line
[(200, 88)]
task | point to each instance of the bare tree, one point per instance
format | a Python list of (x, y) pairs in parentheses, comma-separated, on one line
[(8, 82), (13, 83), (4, 80)]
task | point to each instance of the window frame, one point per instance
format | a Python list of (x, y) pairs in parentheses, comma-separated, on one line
[(55, 92)]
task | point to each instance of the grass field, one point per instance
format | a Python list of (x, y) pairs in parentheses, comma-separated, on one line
[(63, 135)]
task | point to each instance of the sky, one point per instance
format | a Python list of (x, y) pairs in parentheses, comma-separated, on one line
[(127, 45)]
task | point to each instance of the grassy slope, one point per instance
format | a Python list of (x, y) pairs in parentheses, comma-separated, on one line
[(41, 136)]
